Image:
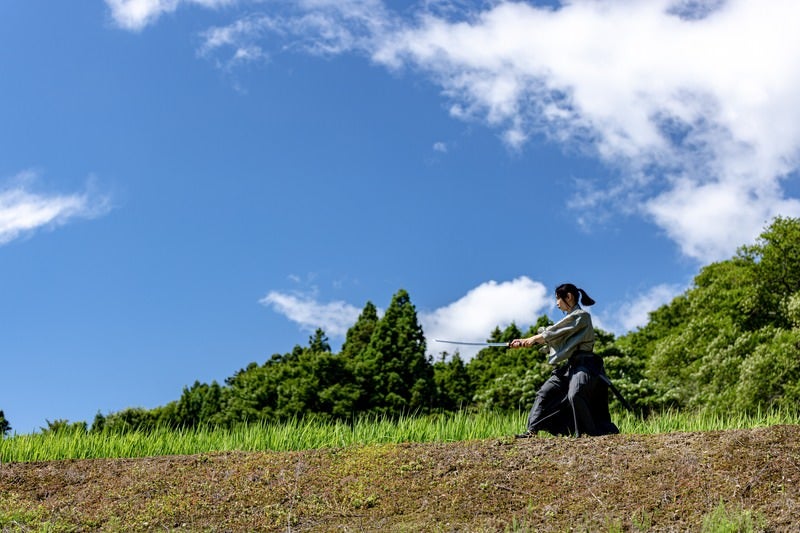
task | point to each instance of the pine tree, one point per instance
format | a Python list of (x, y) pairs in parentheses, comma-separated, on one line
[(393, 370), (359, 335)]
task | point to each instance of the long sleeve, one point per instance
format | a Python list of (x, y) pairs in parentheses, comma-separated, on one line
[(571, 333)]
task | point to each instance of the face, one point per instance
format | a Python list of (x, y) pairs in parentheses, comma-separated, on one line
[(566, 303)]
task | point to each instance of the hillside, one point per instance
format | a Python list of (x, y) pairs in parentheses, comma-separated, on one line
[(666, 482)]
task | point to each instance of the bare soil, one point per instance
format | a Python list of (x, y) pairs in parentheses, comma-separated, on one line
[(667, 482)]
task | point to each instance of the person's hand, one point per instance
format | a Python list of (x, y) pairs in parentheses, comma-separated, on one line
[(526, 343)]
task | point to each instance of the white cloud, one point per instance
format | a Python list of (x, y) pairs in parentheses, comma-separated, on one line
[(473, 317), (440, 147), (698, 106), (335, 318), (636, 312), (695, 102), (134, 15), (23, 211)]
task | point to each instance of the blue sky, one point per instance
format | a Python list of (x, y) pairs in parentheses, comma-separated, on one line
[(187, 186)]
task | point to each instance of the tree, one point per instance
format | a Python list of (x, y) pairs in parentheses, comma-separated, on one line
[(99, 423), (393, 371), (64, 426), (732, 339), (360, 333), (198, 405), (5, 427), (775, 257), (453, 386), (131, 419), (508, 379)]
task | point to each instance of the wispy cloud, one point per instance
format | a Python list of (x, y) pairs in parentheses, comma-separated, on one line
[(698, 107), (135, 15), (635, 313), (440, 147), (693, 103), (24, 210)]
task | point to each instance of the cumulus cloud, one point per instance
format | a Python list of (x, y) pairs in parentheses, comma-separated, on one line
[(472, 317), (23, 210), (335, 318)]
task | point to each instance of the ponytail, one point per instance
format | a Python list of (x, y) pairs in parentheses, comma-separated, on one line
[(579, 294), (585, 298)]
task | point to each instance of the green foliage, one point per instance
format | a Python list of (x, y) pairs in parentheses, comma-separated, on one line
[(393, 371), (64, 426), (308, 380), (508, 379), (737, 520), (453, 384), (5, 426), (313, 433), (131, 419), (732, 340)]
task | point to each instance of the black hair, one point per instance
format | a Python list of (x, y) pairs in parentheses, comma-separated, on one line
[(579, 294)]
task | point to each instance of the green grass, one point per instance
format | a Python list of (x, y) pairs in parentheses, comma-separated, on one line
[(311, 434), (682, 421), (736, 520)]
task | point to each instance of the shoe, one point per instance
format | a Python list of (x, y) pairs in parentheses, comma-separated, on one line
[(526, 435)]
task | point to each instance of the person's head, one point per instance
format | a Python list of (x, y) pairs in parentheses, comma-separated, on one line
[(568, 296)]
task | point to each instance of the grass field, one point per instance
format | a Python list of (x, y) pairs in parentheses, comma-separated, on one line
[(309, 434)]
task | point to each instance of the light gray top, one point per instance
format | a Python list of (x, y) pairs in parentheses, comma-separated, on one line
[(572, 333)]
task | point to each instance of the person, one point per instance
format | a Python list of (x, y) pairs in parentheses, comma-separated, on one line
[(574, 400)]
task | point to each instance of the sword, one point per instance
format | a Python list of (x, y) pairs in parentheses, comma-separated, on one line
[(503, 344)]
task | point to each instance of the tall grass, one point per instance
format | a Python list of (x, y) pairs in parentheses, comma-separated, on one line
[(679, 421), (302, 434)]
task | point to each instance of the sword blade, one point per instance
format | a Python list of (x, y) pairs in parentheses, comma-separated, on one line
[(505, 344)]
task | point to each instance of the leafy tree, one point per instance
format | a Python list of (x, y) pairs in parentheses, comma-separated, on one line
[(626, 371), (64, 426), (131, 419), (5, 426), (729, 341), (99, 423), (508, 379), (775, 258), (198, 405)]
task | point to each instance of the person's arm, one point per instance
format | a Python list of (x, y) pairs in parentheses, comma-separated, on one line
[(529, 341), (569, 325)]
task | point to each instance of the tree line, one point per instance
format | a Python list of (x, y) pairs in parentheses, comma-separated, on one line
[(730, 341)]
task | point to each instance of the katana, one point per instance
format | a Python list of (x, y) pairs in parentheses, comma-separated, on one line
[(504, 344)]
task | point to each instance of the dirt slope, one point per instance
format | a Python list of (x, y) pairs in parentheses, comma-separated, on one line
[(664, 482)]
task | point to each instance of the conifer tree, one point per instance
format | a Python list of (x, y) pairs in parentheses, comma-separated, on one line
[(360, 333), (393, 371)]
